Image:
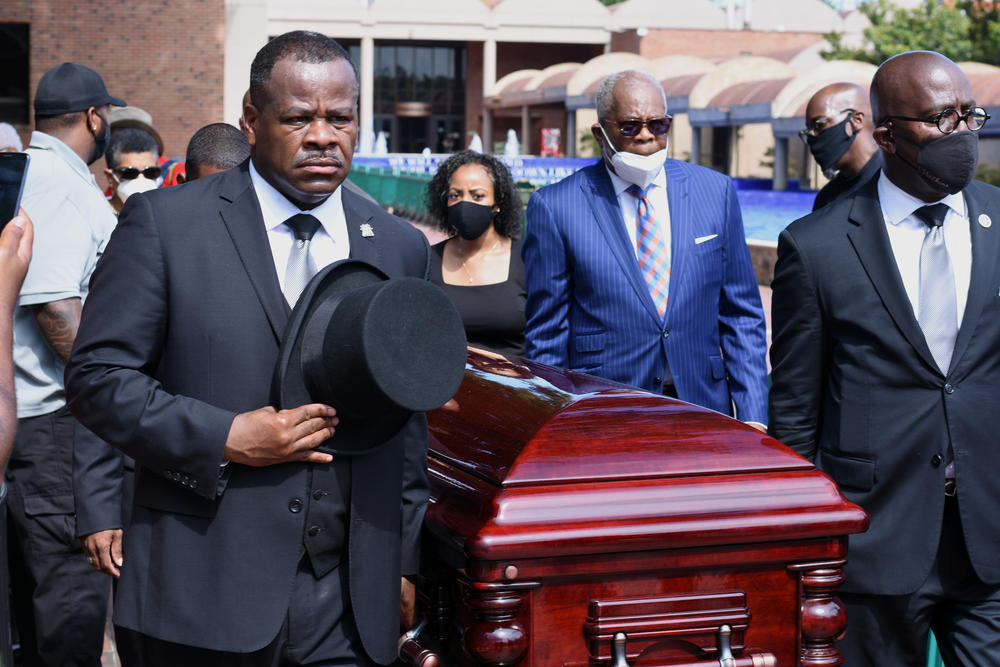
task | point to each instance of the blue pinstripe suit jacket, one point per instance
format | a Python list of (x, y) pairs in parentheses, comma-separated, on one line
[(589, 308)]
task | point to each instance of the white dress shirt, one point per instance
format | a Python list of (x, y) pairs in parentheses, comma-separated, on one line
[(906, 235), (329, 244), (656, 193)]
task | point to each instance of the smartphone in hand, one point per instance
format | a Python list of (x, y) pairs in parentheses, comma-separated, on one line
[(13, 168)]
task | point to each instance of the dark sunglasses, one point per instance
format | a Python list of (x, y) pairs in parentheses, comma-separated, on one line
[(631, 128), (131, 173)]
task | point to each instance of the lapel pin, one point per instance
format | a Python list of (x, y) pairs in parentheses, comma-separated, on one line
[(984, 221), (368, 232)]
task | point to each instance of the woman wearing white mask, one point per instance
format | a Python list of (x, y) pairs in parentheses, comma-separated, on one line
[(131, 157)]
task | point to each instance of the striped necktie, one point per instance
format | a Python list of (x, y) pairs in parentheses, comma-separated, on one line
[(654, 256)]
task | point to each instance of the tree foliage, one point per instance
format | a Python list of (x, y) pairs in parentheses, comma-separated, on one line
[(960, 30)]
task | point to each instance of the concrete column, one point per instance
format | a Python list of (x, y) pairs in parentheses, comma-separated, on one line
[(695, 156), (366, 71), (570, 141), (489, 66), (489, 80), (780, 180), (246, 32), (525, 130), (487, 130)]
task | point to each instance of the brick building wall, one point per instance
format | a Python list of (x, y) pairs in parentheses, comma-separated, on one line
[(714, 45), (164, 56), (511, 57)]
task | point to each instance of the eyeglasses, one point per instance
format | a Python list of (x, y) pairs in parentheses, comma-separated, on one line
[(821, 124), (947, 121), (631, 128), (131, 173)]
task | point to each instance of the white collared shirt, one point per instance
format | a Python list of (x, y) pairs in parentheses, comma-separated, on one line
[(906, 235), (656, 193), (329, 244)]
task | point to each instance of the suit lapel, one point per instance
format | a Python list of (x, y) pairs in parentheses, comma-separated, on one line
[(362, 229), (871, 243), (600, 194), (241, 214), (679, 204), (985, 246)]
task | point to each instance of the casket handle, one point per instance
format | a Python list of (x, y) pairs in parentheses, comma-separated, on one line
[(618, 650), (725, 658), (411, 652)]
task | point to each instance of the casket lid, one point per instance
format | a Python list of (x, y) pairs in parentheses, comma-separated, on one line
[(529, 456), (521, 423)]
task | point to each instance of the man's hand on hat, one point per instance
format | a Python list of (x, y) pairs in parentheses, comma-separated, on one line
[(267, 436)]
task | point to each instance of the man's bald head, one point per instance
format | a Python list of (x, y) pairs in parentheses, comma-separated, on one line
[(836, 98), (910, 93), (843, 109), (902, 82)]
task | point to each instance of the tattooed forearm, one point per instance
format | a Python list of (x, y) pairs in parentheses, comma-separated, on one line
[(58, 322)]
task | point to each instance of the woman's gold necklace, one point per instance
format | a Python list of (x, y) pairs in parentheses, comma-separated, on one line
[(485, 254)]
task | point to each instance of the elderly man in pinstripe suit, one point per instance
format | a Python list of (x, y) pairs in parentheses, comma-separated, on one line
[(638, 270)]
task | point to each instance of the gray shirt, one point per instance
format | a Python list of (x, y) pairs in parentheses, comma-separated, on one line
[(72, 222)]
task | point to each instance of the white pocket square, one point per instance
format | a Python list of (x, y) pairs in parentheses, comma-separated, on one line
[(702, 239)]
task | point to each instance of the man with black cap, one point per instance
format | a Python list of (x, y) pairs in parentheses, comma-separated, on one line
[(247, 544), (60, 602)]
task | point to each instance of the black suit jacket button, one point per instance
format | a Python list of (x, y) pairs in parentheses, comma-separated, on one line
[(666, 333), (949, 389), (295, 506), (936, 460), (318, 494), (314, 531)]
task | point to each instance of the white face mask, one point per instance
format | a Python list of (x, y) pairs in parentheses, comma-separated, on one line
[(635, 168), (126, 189)]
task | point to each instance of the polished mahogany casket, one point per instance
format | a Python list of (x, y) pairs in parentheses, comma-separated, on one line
[(576, 521)]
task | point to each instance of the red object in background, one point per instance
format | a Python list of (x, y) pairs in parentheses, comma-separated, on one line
[(578, 522), (172, 167), (551, 145)]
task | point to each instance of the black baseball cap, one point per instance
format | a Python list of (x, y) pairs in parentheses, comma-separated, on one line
[(71, 87)]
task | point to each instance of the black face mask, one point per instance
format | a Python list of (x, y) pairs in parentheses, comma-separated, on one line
[(470, 219), (101, 141), (830, 145), (947, 163)]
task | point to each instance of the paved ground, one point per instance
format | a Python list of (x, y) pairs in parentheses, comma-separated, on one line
[(109, 657)]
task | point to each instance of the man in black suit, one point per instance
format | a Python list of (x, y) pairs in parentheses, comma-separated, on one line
[(247, 545), (887, 367)]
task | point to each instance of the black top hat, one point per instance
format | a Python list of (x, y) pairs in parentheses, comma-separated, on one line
[(376, 349), (71, 87)]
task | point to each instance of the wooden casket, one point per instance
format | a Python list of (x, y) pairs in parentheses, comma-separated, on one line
[(575, 521)]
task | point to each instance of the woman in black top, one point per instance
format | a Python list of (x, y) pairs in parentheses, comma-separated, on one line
[(473, 197)]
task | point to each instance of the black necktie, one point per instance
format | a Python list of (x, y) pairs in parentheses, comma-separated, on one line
[(300, 267), (938, 316)]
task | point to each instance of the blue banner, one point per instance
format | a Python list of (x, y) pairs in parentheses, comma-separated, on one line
[(539, 170)]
